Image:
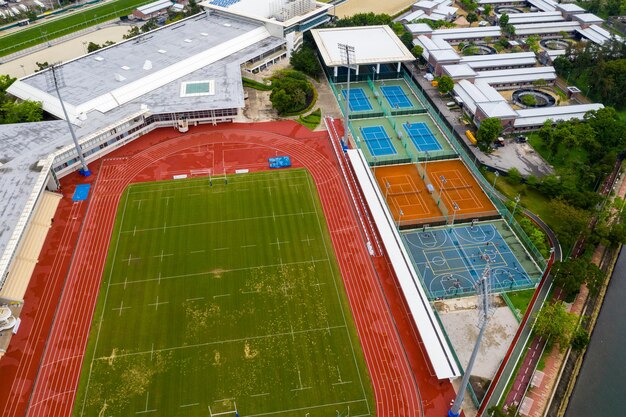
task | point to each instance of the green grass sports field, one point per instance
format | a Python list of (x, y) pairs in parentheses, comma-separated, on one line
[(222, 297), (69, 23)]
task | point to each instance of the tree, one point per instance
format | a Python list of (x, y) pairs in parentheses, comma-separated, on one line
[(417, 51), (132, 32), (504, 20), (41, 66), (193, 7), (305, 60), (570, 223), (21, 112), (556, 324), (488, 131), (149, 25), (570, 275), (580, 340), (471, 18), (487, 8), (514, 176), (92, 47), (445, 84), (291, 92), (509, 30)]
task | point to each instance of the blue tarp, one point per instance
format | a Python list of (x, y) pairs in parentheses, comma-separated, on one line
[(280, 162), (81, 192)]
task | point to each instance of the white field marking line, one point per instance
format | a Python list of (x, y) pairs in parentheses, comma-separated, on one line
[(193, 195), (274, 215), (157, 303), (260, 395), (152, 352), (159, 282), (163, 255), (130, 258), (189, 405), (308, 240), (309, 407), (135, 188), (251, 292), (217, 249), (343, 314), (125, 281), (146, 410), (139, 201), (164, 227), (149, 229), (301, 387), (134, 230), (198, 251), (120, 308), (279, 243), (221, 342), (106, 296), (293, 336), (220, 296), (167, 200), (229, 270), (341, 381), (223, 399), (195, 299), (248, 246)]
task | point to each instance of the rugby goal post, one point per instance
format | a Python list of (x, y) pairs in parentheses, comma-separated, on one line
[(234, 412)]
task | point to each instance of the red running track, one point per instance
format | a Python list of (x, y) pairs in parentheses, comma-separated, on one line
[(160, 155)]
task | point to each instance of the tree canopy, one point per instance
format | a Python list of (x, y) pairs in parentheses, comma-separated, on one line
[(14, 111), (304, 59), (291, 92), (556, 324), (571, 274), (488, 132), (445, 84)]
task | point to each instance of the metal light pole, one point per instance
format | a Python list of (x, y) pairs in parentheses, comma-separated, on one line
[(497, 174), (54, 78), (455, 206), (517, 199), (400, 214), (443, 182), (425, 164), (347, 59), (486, 308), (387, 186)]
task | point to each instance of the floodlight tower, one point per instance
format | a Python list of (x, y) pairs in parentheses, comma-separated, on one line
[(54, 79), (485, 309), (347, 59)]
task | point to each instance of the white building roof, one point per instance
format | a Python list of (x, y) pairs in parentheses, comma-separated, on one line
[(512, 59), (517, 75), (549, 27), (155, 7), (445, 55), (458, 71), (536, 17), (496, 2), (467, 33), (570, 8), (587, 18), (372, 45), (419, 28), (596, 34), (543, 5), (434, 341), (481, 95), (426, 4), (415, 15), (537, 117)]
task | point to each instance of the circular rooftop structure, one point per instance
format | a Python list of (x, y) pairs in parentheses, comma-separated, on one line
[(508, 10), (554, 44), (481, 49), (531, 97)]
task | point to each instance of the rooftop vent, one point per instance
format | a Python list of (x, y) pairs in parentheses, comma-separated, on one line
[(161, 51), (125, 68), (188, 40), (204, 34), (119, 77), (227, 25), (98, 58), (147, 65)]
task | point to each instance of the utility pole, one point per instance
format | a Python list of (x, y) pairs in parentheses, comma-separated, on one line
[(54, 79), (347, 59), (485, 307)]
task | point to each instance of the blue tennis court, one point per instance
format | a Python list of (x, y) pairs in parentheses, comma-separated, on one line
[(422, 137), (358, 99), (377, 141), (451, 260), (396, 97)]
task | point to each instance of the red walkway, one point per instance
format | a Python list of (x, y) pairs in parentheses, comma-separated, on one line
[(395, 372)]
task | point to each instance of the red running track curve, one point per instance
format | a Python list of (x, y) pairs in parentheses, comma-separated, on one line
[(158, 156)]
